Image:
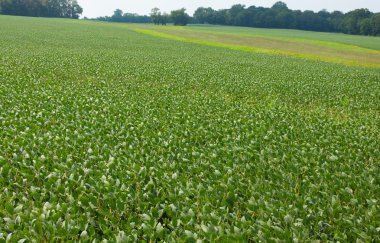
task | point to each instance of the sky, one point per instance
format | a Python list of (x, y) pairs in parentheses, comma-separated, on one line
[(96, 8)]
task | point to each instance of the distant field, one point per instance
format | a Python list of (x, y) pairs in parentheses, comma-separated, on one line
[(369, 42), (132, 133), (278, 42)]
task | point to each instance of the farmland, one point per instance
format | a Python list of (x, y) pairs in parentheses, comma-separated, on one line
[(136, 133), (276, 42)]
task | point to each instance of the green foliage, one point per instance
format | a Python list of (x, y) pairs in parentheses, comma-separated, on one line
[(119, 16), (375, 21), (354, 20), (159, 18), (42, 8), (180, 17), (155, 15), (128, 138), (204, 15), (280, 16), (365, 27), (359, 21)]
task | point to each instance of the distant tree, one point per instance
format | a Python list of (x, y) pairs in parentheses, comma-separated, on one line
[(336, 19), (281, 16), (243, 18), (365, 26), (164, 19), (351, 21), (135, 18), (54, 8), (375, 24), (235, 14), (58, 8), (269, 19), (221, 17), (280, 6), (22, 8), (155, 15), (204, 15), (359, 21), (42, 8), (117, 15), (285, 19), (250, 16), (323, 18), (75, 10), (180, 17), (309, 20)]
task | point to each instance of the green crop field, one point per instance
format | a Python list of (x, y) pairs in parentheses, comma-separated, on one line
[(362, 41), (265, 41), (125, 132)]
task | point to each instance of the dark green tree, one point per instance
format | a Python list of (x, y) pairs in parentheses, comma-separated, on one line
[(359, 21), (204, 15), (180, 17), (42, 8), (117, 15), (235, 13), (221, 17), (375, 24), (75, 10), (155, 15), (336, 19), (132, 18), (164, 19), (351, 21), (365, 26), (280, 6)]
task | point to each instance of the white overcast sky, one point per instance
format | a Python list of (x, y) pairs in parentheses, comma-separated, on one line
[(95, 8)]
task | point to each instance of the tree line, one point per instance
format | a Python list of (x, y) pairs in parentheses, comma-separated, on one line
[(177, 17), (42, 8), (359, 21), (119, 16)]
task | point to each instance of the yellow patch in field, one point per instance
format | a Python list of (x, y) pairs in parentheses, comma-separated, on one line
[(330, 52)]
